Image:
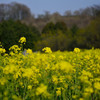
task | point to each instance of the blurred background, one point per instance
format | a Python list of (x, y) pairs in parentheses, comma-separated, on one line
[(59, 24)]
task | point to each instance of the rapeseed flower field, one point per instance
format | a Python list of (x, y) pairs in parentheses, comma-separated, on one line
[(73, 75)]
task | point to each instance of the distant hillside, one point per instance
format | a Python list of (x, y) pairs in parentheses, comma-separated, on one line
[(16, 11)]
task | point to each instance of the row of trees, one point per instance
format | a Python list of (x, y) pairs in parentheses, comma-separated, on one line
[(16, 11), (80, 29), (57, 36), (19, 11)]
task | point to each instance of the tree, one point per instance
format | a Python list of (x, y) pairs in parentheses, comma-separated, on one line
[(95, 10), (53, 28), (55, 17), (68, 13), (74, 29), (56, 42), (76, 13), (81, 39), (14, 11), (93, 33), (61, 26), (11, 31), (49, 28)]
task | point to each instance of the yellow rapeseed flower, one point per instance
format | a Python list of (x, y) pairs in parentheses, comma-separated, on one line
[(97, 85), (29, 87), (76, 50), (42, 89), (28, 72), (47, 50), (29, 51), (58, 92), (3, 81), (55, 79), (89, 90), (65, 66), (2, 50), (22, 40)]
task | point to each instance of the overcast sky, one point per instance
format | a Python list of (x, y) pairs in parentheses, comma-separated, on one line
[(40, 6)]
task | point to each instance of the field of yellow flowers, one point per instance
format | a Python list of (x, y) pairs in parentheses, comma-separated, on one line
[(49, 75)]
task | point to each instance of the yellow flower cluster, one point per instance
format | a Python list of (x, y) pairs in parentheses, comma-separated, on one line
[(47, 50), (50, 75), (42, 89), (15, 48), (97, 85), (2, 50), (58, 92), (29, 51), (22, 40), (76, 50)]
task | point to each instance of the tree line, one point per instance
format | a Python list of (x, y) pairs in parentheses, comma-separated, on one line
[(60, 32)]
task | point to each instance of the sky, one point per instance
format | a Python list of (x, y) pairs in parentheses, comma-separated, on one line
[(40, 6)]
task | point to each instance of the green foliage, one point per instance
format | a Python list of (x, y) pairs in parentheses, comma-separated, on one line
[(93, 33), (11, 31), (49, 28), (74, 29), (80, 38), (58, 37), (56, 42), (90, 36), (53, 28), (54, 36), (61, 26)]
